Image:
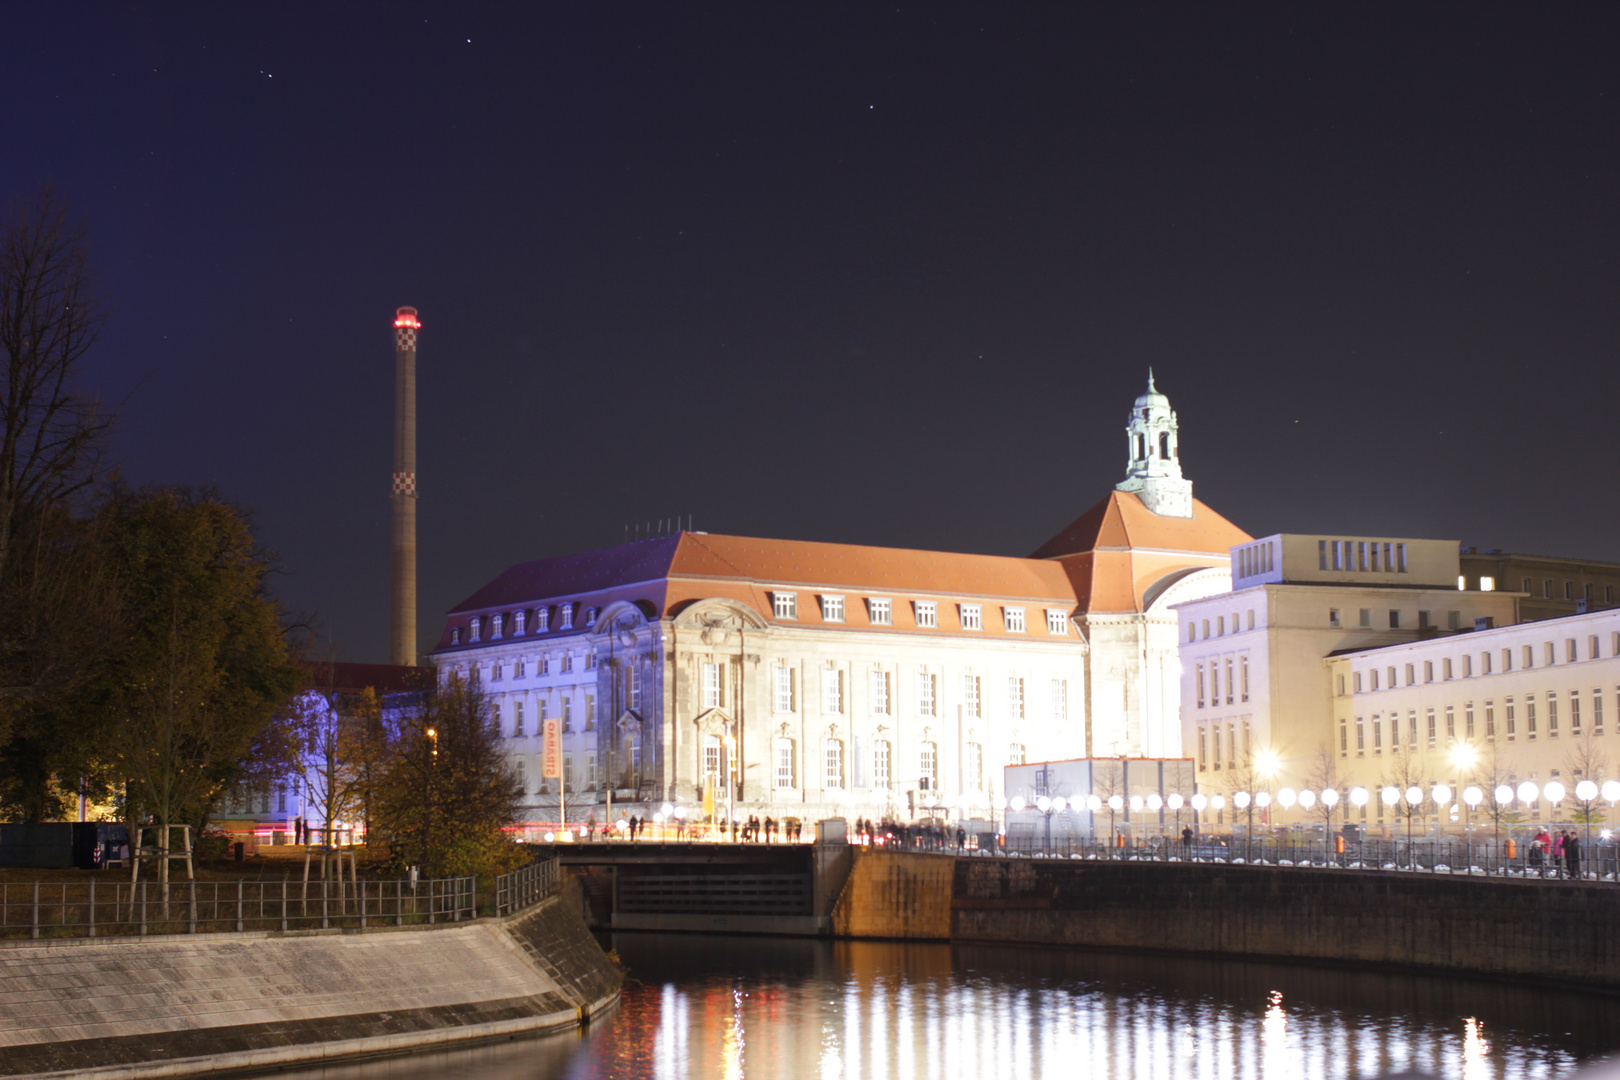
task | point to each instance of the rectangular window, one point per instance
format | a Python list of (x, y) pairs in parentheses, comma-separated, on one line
[(1229, 682), (1430, 718), (1015, 753), (545, 665), (970, 695), (1411, 675), (1453, 620), (832, 609), (1250, 620), (1547, 654), (1344, 738), (1445, 669), (1569, 651), (1013, 619), (567, 616), (567, 663), (1591, 647), (1485, 663), (1529, 658), (635, 687), (1220, 626), (711, 686), (1057, 623), (1338, 555), (925, 694), (590, 712), (1490, 721), (784, 763), (1366, 617), (497, 670), (1552, 716), (1215, 736), (1394, 619), (783, 695), (1200, 686), (517, 719), (1333, 616), (928, 767), (1361, 555), (1372, 679), (832, 691), (1468, 721), (1546, 588), (1423, 620), (1509, 719), (973, 767), (880, 610), (1356, 679), (972, 616), (1597, 712), (542, 620), (927, 614), (1203, 740), (1530, 716), (1574, 712), (521, 668), (1467, 665), (785, 605), (1361, 737), (1015, 698), (882, 764), (712, 763), (1428, 671), (1391, 672), (1060, 700), (880, 693), (568, 712), (1245, 662), (1451, 723), (1378, 735), (835, 764), (1411, 726)]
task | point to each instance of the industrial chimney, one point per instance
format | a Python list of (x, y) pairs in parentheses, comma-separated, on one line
[(402, 605)]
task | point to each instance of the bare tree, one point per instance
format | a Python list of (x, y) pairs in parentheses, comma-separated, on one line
[(1322, 776), (50, 433), (1586, 761)]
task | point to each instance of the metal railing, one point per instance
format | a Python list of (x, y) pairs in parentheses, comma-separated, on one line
[(525, 886), (93, 908), (1445, 856)]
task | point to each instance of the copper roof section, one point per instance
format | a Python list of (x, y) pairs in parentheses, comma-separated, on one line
[(1120, 522)]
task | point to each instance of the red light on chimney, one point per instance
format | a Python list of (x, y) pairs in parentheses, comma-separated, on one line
[(405, 318)]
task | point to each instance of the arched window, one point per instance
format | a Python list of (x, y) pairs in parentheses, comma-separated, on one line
[(1141, 446), (476, 625), (519, 618), (630, 761), (495, 626), (455, 635), (1164, 446)]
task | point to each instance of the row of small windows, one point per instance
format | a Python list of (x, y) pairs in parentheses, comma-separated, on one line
[(1519, 719), (882, 699), (1425, 619), (1237, 681), (1213, 751), (925, 613), (568, 714), (1256, 559), (880, 760), (1464, 666), (517, 623), (1589, 590), (1219, 626), (1369, 556), (545, 664)]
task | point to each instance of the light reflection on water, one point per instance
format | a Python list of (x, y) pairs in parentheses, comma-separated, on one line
[(762, 1009)]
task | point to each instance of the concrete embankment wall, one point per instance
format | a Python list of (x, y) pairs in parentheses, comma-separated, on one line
[(136, 1008), (1545, 931)]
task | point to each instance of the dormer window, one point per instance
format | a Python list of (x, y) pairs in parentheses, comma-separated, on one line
[(495, 627), (832, 609), (590, 616), (518, 619), (1013, 619), (475, 626), (785, 605), (881, 610), (566, 620), (455, 635), (542, 620)]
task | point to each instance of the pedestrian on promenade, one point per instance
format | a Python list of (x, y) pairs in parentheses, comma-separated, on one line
[(1572, 856), (1558, 854), (1187, 840)]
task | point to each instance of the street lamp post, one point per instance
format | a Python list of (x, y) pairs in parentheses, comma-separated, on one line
[(1441, 794), (1414, 796), (1242, 801), (1472, 797), (1586, 791)]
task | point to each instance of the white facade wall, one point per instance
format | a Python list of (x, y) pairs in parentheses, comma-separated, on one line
[(1536, 701)]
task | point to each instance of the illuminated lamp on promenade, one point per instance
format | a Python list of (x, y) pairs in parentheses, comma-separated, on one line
[(1241, 800), (1286, 798), (1093, 803), (1017, 803), (1307, 799), (1586, 791), (1199, 801), (1137, 803), (1528, 792), (1441, 794), (1175, 802), (1217, 803), (1059, 804), (1154, 802), (1115, 803), (1043, 804), (1554, 791), (1262, 799), (1611, 790), (1358, 796), (1390, 795)]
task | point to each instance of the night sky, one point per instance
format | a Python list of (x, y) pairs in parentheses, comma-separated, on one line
[(883, 275)]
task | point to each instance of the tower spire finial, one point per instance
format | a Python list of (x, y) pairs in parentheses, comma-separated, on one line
[(1150, 379)]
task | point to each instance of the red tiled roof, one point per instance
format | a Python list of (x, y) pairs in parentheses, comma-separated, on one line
[(383, 678), (1121, 521)]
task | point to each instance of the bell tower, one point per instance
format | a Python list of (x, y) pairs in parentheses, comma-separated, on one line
[(1153, 465)]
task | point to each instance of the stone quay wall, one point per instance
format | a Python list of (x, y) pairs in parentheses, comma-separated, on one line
[(1555, 933), (189, 1005)]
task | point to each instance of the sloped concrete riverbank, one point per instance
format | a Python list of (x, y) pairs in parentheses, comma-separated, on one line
[(193, 1005)]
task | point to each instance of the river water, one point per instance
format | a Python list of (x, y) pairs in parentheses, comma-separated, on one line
[(698, 1008)]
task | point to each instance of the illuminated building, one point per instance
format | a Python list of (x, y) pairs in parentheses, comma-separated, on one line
[(1256, 710), (797, 678)]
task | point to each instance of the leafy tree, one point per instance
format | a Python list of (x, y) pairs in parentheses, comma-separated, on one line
[(447, 788), (203, 660)]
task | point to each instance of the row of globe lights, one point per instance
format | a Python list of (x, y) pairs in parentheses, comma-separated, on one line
[(1287, 798)]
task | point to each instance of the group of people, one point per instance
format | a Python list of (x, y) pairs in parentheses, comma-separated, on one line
[(923, 837), (1564, 851)]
